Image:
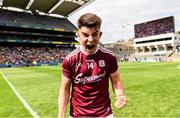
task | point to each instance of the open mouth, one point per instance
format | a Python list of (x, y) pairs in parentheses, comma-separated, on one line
[(90, 47)]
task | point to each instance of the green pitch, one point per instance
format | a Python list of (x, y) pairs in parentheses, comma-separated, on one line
[(152, 89)]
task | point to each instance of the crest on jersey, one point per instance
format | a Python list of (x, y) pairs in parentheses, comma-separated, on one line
[(101, 63), (78, 65)]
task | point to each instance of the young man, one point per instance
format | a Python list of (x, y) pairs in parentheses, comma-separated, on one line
[(88, 69)]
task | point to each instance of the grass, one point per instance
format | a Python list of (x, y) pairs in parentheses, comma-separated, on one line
[(39, 86), (10, 106), (152, 89)]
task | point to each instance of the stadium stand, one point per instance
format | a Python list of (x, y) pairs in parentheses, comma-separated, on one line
[(123, 50), (25, 39), (28, 38), (23, 19), (30, 55), (156, 40)]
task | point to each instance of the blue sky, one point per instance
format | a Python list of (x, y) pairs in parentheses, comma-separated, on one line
[(119, 16)]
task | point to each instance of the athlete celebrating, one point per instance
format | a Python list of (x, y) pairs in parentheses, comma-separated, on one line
[(88, 69)]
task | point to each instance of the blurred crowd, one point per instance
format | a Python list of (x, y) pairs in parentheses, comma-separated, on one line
[(154, 28), (18, 55)]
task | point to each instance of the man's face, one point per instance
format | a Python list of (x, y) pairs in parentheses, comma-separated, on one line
[(89, 38)]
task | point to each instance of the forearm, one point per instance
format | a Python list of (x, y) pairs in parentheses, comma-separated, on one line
[(117, 85), (63, 102), (64, 94), (118, 88)]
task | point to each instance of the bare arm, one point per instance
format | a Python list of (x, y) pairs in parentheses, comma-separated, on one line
[(118, 89), (64, 94)]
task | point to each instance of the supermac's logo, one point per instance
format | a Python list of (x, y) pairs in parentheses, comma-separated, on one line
[(88, 79)]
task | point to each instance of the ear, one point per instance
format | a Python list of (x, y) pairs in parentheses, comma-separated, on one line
[(100, 34), (77, 36)]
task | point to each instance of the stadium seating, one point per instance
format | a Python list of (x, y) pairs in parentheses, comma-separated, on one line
[(12, 18), (25, 40), (31, 56)]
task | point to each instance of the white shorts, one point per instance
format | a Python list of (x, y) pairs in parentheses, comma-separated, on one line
[(110, 116)]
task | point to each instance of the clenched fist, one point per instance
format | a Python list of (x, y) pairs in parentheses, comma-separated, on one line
[(121, 101)]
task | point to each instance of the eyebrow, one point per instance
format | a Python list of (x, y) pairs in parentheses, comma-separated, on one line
[(92, 33)]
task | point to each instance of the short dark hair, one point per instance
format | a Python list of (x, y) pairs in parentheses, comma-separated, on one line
[(89, 20)]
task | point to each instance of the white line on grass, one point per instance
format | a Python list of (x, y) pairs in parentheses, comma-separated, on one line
[(33, 113)]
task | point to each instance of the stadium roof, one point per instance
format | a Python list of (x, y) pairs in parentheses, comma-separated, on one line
[(60, 7)]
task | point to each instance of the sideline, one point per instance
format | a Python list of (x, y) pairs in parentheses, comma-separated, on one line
[(27, 106)]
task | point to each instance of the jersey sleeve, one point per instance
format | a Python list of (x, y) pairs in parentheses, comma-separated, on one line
[(66, 69), (113, 63)]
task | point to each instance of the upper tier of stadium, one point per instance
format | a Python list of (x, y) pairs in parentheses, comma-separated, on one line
[(60, 7), (23, 19), (37, 14)]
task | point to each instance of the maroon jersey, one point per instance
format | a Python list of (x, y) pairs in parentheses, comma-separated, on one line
[(90, 81)]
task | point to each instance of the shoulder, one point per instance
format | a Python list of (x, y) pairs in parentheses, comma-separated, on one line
[(73, 53), (106, 51)]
